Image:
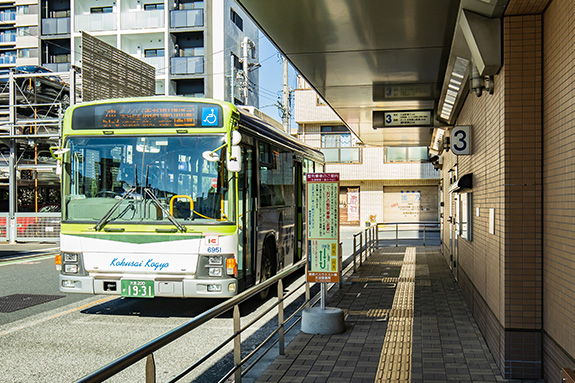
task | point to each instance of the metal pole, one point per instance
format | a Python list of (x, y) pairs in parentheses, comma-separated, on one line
[(12, 177), (323, 296), (237, 345), (361, 249), (424, 234), (340, 285), (396, 235), (150, 369), (377, 236), (281, 317), (232, 79), (354, 251)]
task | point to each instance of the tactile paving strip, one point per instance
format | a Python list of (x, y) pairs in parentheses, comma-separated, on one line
[(395, 359), (15, 302)]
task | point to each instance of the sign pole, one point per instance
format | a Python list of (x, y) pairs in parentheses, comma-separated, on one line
[(323, 254)]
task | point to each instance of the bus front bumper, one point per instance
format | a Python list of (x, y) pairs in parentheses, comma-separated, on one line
[(170, 287)]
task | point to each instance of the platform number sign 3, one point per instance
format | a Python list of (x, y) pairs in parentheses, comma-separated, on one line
[(461, 140)]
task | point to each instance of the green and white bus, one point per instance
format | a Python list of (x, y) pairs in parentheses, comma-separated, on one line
[(177, 197)]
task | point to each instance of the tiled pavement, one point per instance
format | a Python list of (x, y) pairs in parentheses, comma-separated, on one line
[(406, 321)]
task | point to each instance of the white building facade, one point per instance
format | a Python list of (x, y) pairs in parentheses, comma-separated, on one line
[(194, 45), (377, 184)]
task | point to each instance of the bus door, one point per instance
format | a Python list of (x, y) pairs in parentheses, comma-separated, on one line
[(246, 214), (298, 169)]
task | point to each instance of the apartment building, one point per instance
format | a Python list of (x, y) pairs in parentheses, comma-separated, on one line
[(403, 187), (196, 46)]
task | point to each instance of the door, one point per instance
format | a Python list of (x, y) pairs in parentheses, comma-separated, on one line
[(454, 233), (246, 214)]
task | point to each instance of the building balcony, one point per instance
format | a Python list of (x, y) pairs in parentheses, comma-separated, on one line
[(188, 18), (95, 22), (187, 65), (142, 19), (7, 38), (156, 62), (7, 16), (4, 60), (56, 26), (58, 67)]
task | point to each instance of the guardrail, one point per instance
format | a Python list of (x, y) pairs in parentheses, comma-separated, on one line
[(147, 351), (374, 236)]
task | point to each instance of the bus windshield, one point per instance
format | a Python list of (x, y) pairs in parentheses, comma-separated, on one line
[(147, 179)]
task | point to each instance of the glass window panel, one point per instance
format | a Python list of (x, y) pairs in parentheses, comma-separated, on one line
[(396, 154), (418, 153), (331, 155), (349, 154)]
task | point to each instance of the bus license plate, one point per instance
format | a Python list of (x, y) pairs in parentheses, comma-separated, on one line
[(139, 289)]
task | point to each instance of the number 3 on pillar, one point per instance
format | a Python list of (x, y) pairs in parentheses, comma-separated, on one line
[(461, 140)]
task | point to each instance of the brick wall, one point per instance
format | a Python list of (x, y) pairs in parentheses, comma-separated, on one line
[(558, 186)]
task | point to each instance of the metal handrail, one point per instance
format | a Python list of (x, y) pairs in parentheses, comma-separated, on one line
[(425, 224), (148, 349)]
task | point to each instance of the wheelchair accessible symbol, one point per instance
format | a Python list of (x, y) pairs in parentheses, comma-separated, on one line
[(209, 117)]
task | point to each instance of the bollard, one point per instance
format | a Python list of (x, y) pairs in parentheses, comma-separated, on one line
[(281, 334)]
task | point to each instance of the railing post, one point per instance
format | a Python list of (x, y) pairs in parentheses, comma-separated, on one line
[(307, 295), (354, 251), (281, 317), (424, 234), (377, 236), (360, 249), (150, 369), (237, 345), (340, 285), (396, 235)]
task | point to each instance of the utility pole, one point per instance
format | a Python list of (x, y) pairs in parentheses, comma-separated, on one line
[(286, 93), (247, 45)]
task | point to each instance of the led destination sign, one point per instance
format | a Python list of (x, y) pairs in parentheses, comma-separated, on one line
[(147, 115)]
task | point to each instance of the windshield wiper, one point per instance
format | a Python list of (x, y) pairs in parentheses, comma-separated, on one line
[(157, 202), (106, 218)]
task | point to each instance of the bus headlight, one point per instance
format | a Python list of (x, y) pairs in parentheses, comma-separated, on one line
[(215, 271), (215, 259), (70, 257), (71, 263)]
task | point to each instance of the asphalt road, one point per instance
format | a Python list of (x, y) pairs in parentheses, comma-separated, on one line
[(67, 336)]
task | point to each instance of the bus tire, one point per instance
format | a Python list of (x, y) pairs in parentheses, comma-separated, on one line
[(268, 267)]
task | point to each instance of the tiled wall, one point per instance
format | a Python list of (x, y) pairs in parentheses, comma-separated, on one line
[(501, 273), (559, 187)]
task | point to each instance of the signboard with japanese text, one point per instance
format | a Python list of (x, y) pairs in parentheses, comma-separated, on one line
[(323, 227)]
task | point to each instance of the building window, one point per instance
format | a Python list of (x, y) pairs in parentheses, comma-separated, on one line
[(186, 4), (60, 58), (336, 145), (24, 52), (237, 62), (153, 53), (406, 154), (23, 10), (23, 31), (237, 19), (101, 10), (59, 14), (153, 7)]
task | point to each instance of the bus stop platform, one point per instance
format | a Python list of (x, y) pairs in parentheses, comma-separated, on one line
[(405, 321)]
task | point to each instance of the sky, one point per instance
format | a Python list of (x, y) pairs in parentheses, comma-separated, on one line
[(271, 78)]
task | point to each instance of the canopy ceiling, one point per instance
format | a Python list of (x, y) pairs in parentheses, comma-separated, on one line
[(366, 56)]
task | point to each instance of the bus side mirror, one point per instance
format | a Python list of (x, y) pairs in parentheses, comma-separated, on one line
[(234, 160)]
